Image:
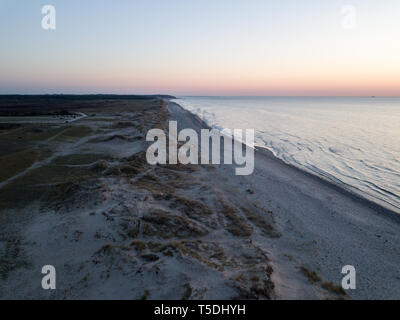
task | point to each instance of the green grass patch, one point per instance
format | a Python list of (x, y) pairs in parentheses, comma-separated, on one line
[(17, 162), (74, 133)]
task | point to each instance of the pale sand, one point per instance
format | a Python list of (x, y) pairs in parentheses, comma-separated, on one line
[(132, 231), (323, 227)]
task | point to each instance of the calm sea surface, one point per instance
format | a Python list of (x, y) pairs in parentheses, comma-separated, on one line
[(354, 142)]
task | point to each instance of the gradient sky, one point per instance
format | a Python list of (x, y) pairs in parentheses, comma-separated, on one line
[(201, 47)]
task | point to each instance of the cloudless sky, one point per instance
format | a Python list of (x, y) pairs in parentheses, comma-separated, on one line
[(201, 47)]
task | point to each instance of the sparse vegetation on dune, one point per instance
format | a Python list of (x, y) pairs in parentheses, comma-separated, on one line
[(16, 162), (74, 133), (314, 278), (141, 222)]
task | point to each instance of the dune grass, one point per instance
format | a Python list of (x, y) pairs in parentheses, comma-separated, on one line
[(16, 162)]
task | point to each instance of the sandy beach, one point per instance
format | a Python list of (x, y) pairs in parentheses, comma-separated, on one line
[(323, 228), (115, 227)]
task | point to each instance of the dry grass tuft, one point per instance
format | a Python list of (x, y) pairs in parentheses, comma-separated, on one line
[(312, 276), (260, 220), (192, 208), (138, 245), (167, 225), (237, 225)]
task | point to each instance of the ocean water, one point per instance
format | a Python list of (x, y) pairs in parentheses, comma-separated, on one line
[(351, 141)]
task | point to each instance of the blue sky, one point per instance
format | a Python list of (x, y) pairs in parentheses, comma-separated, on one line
[(230, 47)]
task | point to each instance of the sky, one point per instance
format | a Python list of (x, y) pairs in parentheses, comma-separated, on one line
[(202, 47)]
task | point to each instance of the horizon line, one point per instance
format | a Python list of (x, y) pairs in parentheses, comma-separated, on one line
[(193, 95)]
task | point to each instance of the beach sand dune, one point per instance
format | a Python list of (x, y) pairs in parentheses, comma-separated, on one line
[(86, 201)]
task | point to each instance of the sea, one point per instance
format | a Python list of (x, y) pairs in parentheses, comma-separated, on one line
[(353, 142)]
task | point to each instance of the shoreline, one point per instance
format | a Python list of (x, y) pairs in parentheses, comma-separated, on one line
[(358, 196), (323, 227), (379, 205), (115, 227)]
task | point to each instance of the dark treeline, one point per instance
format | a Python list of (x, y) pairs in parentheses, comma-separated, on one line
[(29, 105), (74, 97)]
